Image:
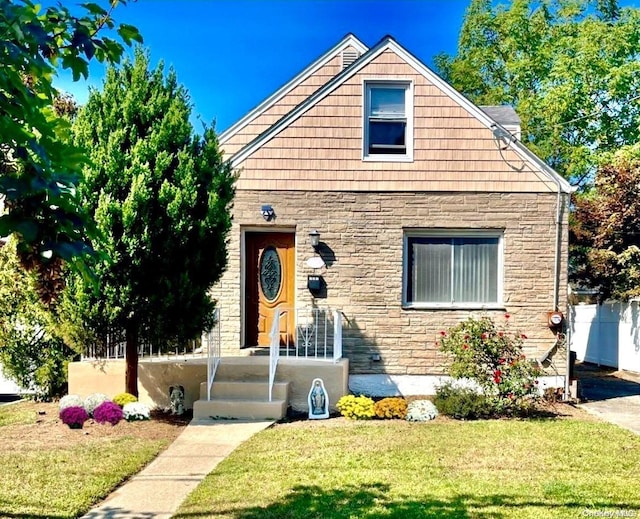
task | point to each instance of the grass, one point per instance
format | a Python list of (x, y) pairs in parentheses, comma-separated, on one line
[(485, 469), (557, 468), (47, 470), (15, 414), (66, 482)]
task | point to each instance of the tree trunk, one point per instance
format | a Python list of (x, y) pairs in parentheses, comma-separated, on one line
[(131, 355)]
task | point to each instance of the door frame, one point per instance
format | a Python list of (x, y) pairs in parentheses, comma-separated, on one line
[(243, 269)]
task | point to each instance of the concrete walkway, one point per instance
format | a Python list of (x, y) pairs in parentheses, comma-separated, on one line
[(158, 490), (612, 395)]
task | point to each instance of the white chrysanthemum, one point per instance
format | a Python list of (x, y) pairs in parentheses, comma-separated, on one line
[(421, 411), (93, 401), (70, 401), (136, 411)]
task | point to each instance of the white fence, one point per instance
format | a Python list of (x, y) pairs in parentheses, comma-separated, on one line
[(607, 334)]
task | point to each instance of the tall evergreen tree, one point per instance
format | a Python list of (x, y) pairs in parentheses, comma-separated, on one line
[(160, 196)]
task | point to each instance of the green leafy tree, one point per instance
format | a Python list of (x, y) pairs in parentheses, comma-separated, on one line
[(605, 229), (570, 68), (39, 166), (32, 352), (160, 195)]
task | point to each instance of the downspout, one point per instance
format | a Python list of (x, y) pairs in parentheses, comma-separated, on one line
[(556, 268), (556, 287)]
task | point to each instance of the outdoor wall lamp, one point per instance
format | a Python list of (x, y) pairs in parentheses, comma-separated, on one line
[(267, 212), (314, 239)]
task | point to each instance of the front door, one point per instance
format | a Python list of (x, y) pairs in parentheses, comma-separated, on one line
[(269, 283)]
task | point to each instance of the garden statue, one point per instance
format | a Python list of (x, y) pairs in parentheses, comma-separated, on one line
[(176, 397), (318, 400)]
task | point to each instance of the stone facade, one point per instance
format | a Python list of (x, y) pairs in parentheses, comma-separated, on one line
[(362, 235)]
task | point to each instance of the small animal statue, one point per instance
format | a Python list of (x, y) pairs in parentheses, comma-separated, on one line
[(176, 397)]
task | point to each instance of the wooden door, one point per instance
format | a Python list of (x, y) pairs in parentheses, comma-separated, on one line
[(269, 283)]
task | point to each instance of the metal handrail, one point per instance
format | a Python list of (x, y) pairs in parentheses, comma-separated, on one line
[(211, 340), (274, 351), (337, 335)]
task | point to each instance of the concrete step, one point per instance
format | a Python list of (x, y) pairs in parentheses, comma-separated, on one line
[(245, 390), (239, 409), (243, 369)]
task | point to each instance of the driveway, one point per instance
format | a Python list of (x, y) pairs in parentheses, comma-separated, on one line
[(612, 395)]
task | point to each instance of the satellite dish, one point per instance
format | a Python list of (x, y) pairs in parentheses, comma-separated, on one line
[(315, 262)]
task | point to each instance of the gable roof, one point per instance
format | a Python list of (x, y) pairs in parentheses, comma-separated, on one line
[(388, 43), (348, 41)]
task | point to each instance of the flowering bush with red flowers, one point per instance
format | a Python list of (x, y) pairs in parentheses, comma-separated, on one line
[(108, 412), (493, 358)]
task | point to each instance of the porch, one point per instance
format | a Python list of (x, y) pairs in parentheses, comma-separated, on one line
[(264, 383)]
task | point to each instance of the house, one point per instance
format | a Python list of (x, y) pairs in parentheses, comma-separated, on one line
[(375, 207), (428, 209)]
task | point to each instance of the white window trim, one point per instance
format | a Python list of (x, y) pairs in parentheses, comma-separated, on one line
[(407, 84), (453, 233)]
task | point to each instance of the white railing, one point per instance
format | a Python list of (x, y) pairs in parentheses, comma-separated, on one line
[(114, 347), (316, 334), (337, 335), (211, 342), (274, 351)]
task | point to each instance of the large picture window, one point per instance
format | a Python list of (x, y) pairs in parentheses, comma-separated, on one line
[(454, 270), (388, 115)]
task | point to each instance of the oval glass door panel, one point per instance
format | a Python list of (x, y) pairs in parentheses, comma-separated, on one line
[(270, 273)]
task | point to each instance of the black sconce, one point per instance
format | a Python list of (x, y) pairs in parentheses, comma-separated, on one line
[(267, 212), (314, 239)]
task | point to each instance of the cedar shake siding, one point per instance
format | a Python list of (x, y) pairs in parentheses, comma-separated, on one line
[(453, 151)]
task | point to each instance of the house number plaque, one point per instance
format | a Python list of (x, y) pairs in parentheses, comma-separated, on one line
[(270, 273)]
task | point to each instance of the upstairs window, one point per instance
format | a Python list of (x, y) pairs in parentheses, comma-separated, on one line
[(388, 121)]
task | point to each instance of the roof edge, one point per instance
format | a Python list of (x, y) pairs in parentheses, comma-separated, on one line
[(349, 39), (389, 43), (319, 94)]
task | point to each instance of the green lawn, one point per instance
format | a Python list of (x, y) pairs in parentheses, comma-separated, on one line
[(336, 469), (49, 471), (393, 469)]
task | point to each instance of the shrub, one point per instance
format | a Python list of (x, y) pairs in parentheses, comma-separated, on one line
[(136, 411), (108, 412), (74, 416), (124, 398), (463, 403), (33, 353), (356, 407), (492, 357), (93, 401), (421, 411), (70, 401), (393, 407)]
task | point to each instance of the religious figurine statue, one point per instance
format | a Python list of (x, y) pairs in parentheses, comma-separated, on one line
[(318, 400)]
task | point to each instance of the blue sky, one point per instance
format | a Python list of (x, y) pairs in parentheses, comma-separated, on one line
[(231, 54)]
